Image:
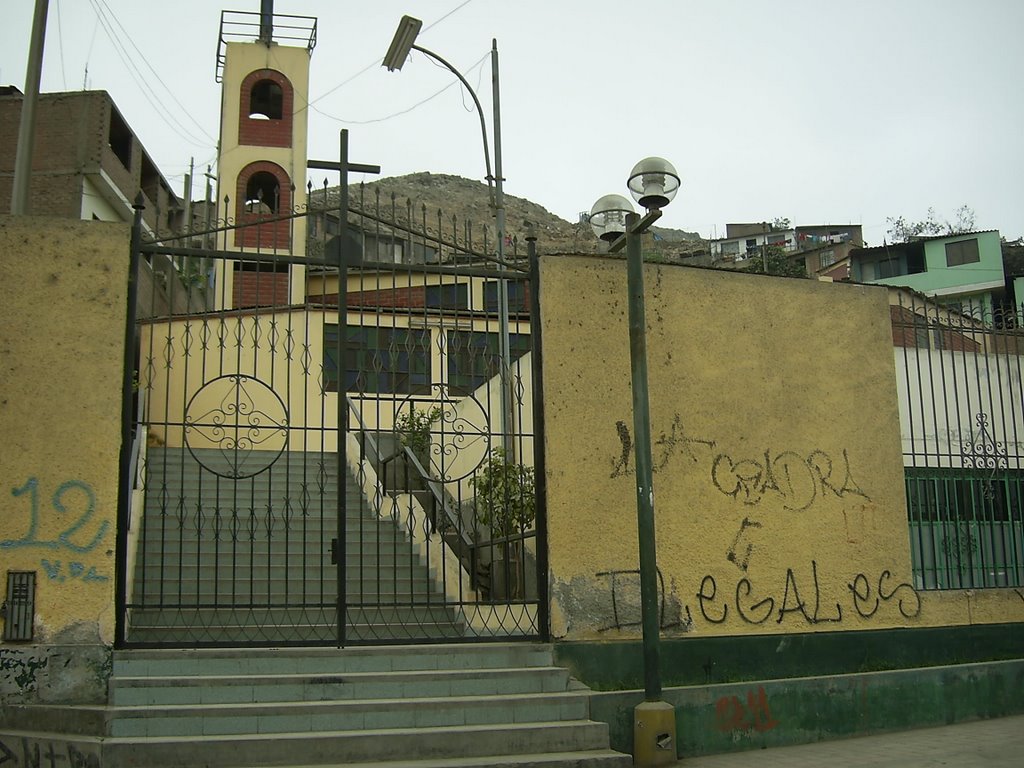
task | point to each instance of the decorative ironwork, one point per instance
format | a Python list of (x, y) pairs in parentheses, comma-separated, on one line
[(984, 453), (243, 418), (460, 438)]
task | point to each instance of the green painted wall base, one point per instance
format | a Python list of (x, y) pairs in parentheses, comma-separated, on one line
[(711, 719), (618, 665)]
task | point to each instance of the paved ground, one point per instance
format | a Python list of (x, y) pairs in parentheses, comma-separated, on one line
[(995, 743)]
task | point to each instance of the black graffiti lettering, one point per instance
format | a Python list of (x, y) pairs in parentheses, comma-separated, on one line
[(620, 467), (861, 591), (6, 756), (626, 613), (800, 605), (731, 556), (743, 585), (677, 441), (801, 488), (821, 463), (703, 597), (817, 599), (904, 587)]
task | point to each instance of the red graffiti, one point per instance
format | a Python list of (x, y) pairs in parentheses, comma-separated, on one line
[(732, 715)]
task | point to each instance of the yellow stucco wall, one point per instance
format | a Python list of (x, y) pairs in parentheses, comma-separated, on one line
[(779, 494), (62, 313)]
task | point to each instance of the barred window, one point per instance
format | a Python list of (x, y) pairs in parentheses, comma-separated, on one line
[(474, 357), (379, 360)]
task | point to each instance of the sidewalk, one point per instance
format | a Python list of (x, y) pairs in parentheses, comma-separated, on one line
[(997, 743)]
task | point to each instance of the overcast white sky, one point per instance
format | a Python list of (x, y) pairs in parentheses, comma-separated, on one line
[(816, 110)]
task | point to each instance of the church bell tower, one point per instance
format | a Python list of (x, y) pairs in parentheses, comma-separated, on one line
[(263, 67)]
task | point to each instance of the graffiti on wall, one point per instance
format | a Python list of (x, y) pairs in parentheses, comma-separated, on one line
[(34, 753), (796, 479), (750, 715), (71, 514), (753, 605), (624, 609)]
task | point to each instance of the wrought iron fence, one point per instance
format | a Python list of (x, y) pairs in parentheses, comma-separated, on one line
[(322, 451), (962, 420)]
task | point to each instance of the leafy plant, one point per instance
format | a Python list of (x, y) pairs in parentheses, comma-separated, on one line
[(413, 428), (506, 498)]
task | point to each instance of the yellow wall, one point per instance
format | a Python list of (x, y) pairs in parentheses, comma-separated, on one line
[(779, 494), (62, 315)]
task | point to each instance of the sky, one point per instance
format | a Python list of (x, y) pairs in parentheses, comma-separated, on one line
[(814, 110)]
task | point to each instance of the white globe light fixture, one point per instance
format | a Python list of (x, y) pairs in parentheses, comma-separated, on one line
[(653, 183), (608, 216)]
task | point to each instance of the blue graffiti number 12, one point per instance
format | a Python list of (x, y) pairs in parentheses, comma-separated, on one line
[(64, 540)]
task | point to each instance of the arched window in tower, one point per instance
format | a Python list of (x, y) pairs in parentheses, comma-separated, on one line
[(263, 202), (262, 193), (266, 103), (266, 100)]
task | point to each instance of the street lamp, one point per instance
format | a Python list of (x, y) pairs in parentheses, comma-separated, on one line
[(403, 42), (652, 183)]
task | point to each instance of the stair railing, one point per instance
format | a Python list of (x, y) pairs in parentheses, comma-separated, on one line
[(465, 549)]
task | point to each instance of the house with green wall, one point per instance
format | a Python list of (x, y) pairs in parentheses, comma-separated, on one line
[(964, 268)]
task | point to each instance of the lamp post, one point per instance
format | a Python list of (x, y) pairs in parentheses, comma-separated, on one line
[(403, 42), (653, 183)]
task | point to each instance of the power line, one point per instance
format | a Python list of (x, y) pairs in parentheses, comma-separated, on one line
[(376, 62)]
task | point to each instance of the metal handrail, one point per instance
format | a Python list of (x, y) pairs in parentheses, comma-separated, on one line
[(432, 485)]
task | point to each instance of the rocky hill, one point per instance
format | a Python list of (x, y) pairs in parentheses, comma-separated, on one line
[(468, 201)]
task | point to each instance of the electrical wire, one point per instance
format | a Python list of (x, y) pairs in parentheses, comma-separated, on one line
[(375, 63), (184, 133), (407, 110), (60, 49), (156, 74)]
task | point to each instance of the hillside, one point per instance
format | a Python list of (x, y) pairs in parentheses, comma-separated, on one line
[(468, 200)]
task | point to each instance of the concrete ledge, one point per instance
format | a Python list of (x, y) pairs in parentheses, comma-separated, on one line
[(712, 719), (695, 660)]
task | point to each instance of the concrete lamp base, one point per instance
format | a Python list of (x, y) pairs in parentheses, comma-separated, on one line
[(654, 734)]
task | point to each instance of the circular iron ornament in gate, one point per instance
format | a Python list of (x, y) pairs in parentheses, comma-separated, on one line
[(240, 418), (460, 438)]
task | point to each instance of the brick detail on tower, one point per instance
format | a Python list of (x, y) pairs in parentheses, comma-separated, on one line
[(273, 132), (271, 235)]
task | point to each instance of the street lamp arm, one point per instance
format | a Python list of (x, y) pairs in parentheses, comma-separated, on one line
[(479, 111)]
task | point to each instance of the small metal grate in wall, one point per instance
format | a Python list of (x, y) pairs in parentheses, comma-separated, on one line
[(20, 605)]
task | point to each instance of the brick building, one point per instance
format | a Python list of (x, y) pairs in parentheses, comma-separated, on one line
[(87, 162)]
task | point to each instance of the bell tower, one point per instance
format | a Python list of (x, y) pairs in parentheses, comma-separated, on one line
[(263, 67)]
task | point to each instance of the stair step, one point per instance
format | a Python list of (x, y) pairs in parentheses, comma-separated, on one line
[(347, 715), (595, 758), (327, 747), (240, 689), (231, 661)]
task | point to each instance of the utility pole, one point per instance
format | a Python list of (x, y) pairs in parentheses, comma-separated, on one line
[(26, 131)]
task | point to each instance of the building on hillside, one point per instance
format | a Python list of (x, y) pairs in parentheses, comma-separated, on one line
[(743, 241), (87, 162), (964, 269)]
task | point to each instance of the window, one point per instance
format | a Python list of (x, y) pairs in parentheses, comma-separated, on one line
[(730, 249), (120, 139), (751, 245), (518, 296), (446, 296), (262, 193), (474, 358), (827, 258), (965, 525), (962, 252), (266, 101), (887, 268), (379, 360)]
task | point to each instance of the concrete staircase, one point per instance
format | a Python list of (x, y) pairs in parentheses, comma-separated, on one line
[(498, 704), (226, 561)]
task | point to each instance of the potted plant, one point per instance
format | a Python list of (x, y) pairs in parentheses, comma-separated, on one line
[(506, 502), (413, 431)]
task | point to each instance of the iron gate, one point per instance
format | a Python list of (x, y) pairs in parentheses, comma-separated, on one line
[(341, 432)]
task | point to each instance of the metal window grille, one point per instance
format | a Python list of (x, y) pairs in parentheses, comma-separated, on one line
[(19, 607)]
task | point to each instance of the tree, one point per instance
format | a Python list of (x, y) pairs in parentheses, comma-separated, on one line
[(774, 261), (902, 231), (780, 223)]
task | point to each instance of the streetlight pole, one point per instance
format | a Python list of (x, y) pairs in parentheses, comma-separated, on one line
[(653, 183), (403, 42)]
